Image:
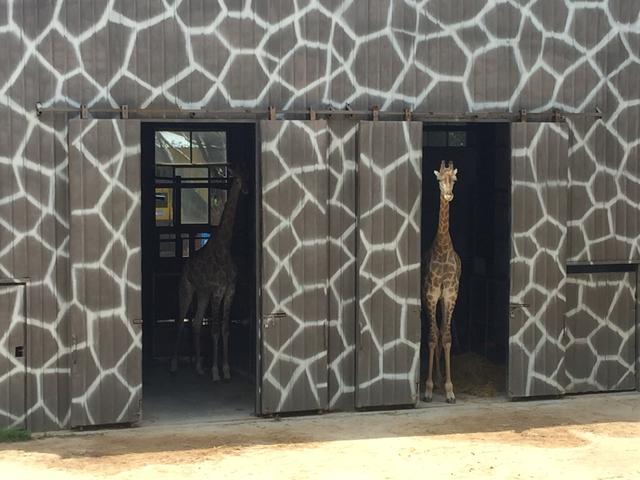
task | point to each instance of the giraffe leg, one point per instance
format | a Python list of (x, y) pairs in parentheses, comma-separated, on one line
[(202, 300), (215, 336), (439, 379), (226, 323), (450, 303), (432, 302), (185, 292)]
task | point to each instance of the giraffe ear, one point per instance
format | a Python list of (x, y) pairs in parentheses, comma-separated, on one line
[(455, 172), (437, 174)]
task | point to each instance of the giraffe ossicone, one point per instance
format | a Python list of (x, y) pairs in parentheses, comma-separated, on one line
[(441, 282)]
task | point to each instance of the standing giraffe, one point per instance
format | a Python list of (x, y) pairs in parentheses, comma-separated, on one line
[(209, 277), (441, 282)]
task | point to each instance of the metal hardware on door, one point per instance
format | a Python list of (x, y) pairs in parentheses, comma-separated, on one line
[(19, 351), (270, 318), (74, 356), (515, 306)]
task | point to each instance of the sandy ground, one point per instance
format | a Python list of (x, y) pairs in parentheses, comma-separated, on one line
[(595, 436)]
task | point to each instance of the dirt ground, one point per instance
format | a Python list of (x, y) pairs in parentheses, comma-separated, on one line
[(594, 436)]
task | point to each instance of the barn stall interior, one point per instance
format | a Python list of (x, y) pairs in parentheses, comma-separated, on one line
[(479, 225), (188, 172)]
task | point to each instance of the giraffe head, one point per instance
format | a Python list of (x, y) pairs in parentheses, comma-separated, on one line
[(447, 176), (237, 176)]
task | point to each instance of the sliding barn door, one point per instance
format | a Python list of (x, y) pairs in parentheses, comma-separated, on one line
[(342, 262), (538, 258), (13, 365), (104, 183), (600, 332), (295, 229), (389, 206)]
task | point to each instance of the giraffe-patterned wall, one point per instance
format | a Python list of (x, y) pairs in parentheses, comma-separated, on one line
[(427, 55), (295, 242), (342, 263), (106, 274), (389, 284), (539, 172), (600, 337)]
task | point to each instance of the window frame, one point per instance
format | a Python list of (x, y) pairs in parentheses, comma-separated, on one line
[(192, 233), (447, 130)]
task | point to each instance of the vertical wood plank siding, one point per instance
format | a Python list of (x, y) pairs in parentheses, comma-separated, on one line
[(13, 368), (436, 56), (601, 332), (295, 248), (538, 258), (104, 168), (389, 206), (342, 263)]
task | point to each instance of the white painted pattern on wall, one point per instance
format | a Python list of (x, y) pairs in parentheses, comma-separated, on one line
[(389, 261), (538, 258), (600, 333), (430, 55), (105, 308), (12, 367), (295, 229)]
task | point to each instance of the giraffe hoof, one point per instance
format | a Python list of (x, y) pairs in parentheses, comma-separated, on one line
[(226, 373), (451, 400), (215, 376), (199, 370), (427, 399)]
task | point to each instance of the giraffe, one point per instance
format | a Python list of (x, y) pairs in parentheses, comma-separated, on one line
[(441, 282), (209, 277)]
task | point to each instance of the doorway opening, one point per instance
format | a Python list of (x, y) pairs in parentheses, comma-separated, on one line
[(480, 230), (188, 170)]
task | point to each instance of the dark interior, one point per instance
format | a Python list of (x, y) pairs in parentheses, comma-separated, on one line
[(185, 180), (480, 231)]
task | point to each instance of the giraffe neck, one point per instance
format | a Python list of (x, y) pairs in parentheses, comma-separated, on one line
[(443, 238), (224, 232)]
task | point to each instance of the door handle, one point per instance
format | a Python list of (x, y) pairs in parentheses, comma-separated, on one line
[(513, 306), (270, 318), (74, 350)]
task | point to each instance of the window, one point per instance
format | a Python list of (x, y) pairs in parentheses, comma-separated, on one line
[(444, 138), (194, 205), (173, 147), (193, 147), (209, 147), (436, 139), (457, 139), (167, 245), (164, 206), (191, 173)]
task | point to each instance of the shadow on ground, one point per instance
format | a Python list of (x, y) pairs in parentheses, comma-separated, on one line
[(477, 420)]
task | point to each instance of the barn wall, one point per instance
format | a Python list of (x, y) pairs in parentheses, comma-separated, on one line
[(105, 255), (295, 231), (443, 55), (538, 258), (389, 255), (600, 335), (342, 263)]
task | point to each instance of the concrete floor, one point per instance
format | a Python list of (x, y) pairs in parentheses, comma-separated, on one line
[(185, 397)]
